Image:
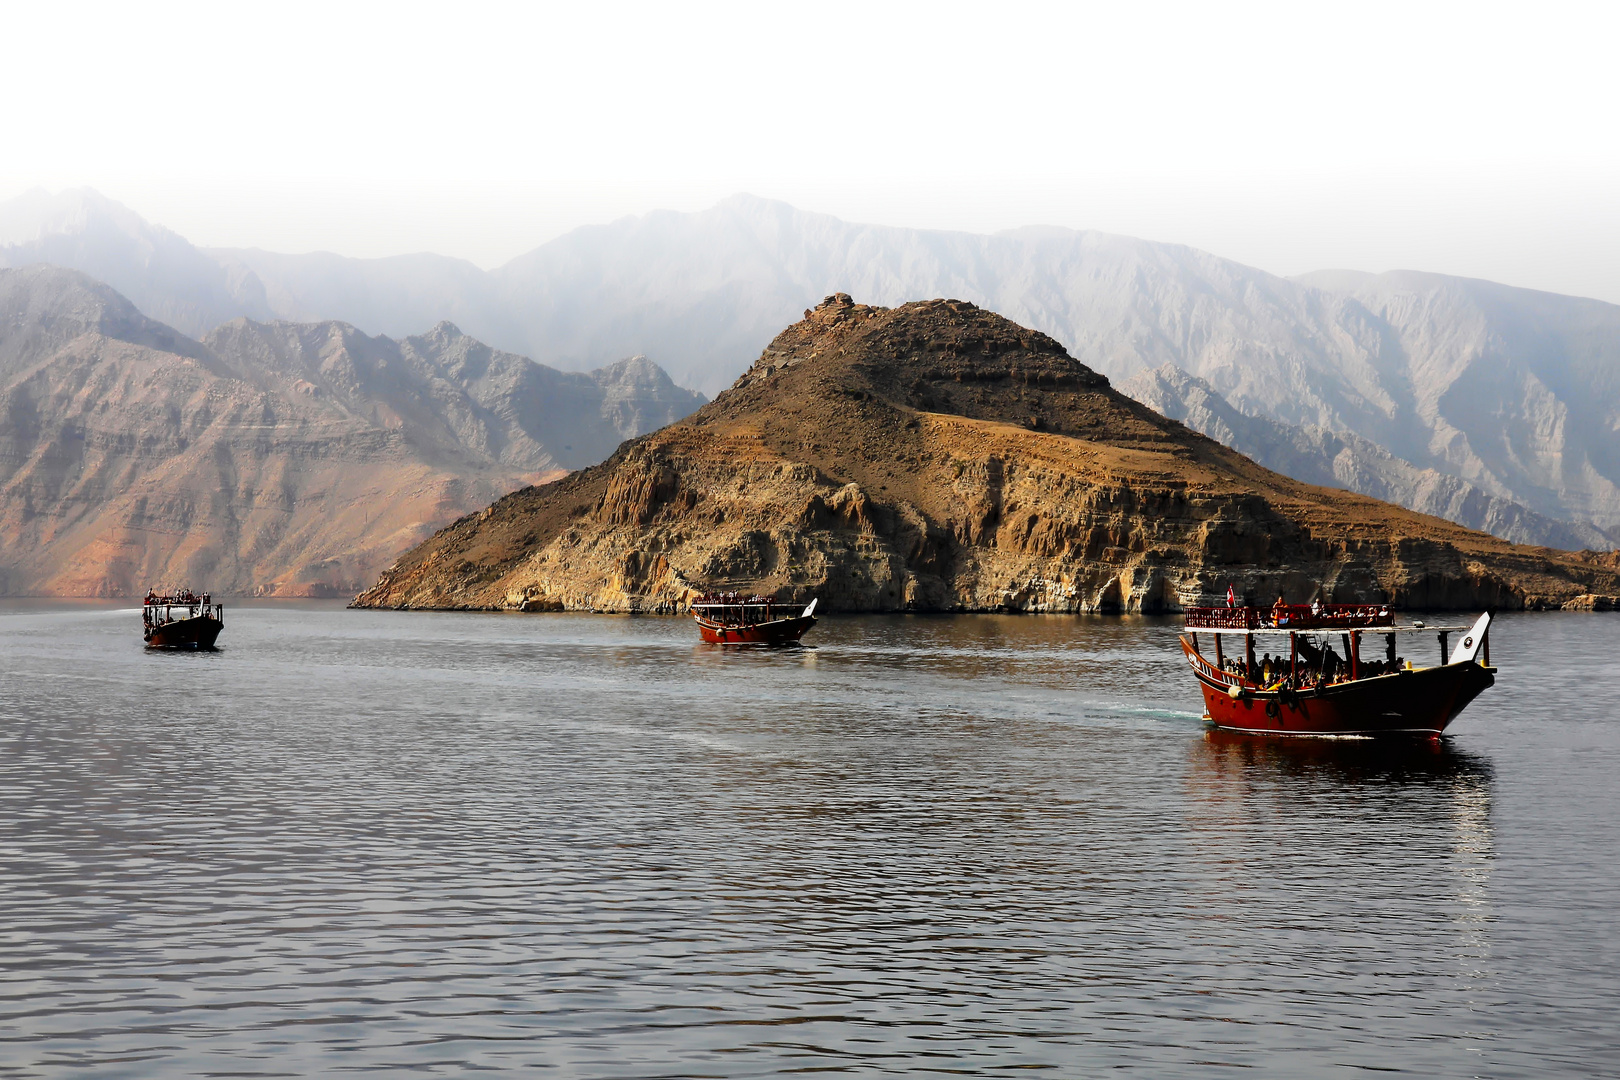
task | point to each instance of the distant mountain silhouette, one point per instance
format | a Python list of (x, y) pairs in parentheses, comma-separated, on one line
[(1507, 390), (160, 271)]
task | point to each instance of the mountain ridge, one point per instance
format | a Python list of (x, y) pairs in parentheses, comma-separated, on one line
[(275, 458), (1508, 390)]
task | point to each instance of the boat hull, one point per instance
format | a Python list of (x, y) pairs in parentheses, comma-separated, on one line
[(1419, 702), (197, 633), (775, 632)]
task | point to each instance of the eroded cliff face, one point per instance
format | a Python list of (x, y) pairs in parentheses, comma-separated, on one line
[(937, 457)]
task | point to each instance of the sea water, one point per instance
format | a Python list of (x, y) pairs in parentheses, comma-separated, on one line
[(356, 842)]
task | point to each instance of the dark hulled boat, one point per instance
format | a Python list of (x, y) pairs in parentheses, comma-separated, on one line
[(1312, 690), (181, 620), (733, 619)]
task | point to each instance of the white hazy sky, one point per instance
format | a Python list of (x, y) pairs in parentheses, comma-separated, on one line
[(1475, 139)]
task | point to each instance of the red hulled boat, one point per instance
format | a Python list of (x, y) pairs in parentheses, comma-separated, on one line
[(181, 620), (1311, 690), (735, 619)]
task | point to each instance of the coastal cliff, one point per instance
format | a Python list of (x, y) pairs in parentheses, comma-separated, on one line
[(938, 457)]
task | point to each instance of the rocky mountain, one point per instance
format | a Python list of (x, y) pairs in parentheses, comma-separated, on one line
[(1333, 459), (273, 458), (1510, 391), (937, 457)]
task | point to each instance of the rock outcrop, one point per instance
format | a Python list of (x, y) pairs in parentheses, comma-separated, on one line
[(937, 457)]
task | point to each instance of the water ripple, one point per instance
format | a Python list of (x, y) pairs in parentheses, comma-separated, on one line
[(444, 844)]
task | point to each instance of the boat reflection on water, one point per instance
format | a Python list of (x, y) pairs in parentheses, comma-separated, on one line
[(1235, 756), (1367, 831)]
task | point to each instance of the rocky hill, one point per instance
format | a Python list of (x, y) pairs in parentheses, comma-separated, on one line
[(272, 458), (937, 457)]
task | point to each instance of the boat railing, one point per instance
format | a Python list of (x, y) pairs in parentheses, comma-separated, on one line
[(1213, 673), (1330, 616), (184, 598), (1291, 617), (1222, 618)]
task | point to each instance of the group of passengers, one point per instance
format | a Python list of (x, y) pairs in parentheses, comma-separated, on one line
[(1313, 667), (184, 597), (733, 598)]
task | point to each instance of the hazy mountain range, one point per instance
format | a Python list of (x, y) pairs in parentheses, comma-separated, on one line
[(276, 457), (1514, 393), (1338, 459)]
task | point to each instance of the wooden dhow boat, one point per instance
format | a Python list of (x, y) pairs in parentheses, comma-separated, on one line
[(735, 619), (1310, 689), (181, 620)]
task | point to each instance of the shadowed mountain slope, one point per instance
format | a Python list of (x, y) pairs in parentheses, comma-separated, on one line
[(939, 457), (1319, 456), (274, 458)]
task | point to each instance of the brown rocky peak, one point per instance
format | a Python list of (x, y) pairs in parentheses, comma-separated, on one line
[(935, 355), (936, 456), (941, 356)]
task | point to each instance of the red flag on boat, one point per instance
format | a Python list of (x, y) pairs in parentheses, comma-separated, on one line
[(1231, 597)]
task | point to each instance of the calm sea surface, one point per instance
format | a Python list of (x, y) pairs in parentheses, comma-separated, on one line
[(588, 846)]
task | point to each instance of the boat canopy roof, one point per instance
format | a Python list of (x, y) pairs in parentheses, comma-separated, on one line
[(1303, 618), (1398, 628), (734, 600)]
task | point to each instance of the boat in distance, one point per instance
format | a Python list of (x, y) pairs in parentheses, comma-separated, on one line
[(1312, 690), (735, 619), (181, 620)]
